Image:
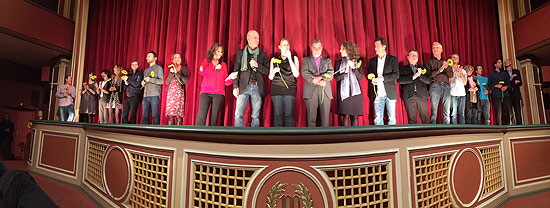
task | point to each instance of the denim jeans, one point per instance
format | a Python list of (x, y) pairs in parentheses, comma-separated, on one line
[(252, 92), (486, 110), (440, 91), (457, 105), (283, 108), (379, 103), (66, 109), (153, 103)]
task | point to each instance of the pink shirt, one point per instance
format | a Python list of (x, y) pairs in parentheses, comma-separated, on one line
[(213, 82)]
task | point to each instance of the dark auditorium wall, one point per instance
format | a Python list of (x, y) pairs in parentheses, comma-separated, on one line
[(122, 31)]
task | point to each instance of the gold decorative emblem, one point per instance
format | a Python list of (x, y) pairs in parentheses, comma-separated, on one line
[(277, 192)]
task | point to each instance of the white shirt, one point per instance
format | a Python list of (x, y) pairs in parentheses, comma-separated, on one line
[(457, 86), (380, 71), (102, 86)]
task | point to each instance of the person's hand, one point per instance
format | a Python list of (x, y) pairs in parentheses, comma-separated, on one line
[(445, 65), (65, 94), (233, 75), (504, 88), (143, 82), (172, 70), (288, 54), (253, 63), (474, 89), (498, 86), (146, 79), (112, 88), (316, 80), (322, 83), (124, 77), (276, 69), (417, 74), (517, 81), (512, 77), (236, 92), (218, 67), (486, 92)]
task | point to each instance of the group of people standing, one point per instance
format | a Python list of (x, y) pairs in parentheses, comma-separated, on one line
[(463, 90)]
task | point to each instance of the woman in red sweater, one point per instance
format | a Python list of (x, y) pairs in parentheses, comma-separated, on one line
[(215, 78)]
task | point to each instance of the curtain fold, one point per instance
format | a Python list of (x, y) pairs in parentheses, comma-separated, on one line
[(122, 31)]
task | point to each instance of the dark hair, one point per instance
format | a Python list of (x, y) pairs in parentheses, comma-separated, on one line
[(412, 51), (152, 52), (351, 49), (65, 80), (496, 60), (316, 41), (211, 50), (455, 54), (90, 72), (107, 72), (479, 65), (382, 41)]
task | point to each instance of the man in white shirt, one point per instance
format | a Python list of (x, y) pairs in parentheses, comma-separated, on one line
[(385, 69), (458, 92)]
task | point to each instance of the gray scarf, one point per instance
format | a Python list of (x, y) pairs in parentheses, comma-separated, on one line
[(349, 80)]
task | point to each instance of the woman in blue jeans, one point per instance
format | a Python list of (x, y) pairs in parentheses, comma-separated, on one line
[(65, 97), (283, 71)]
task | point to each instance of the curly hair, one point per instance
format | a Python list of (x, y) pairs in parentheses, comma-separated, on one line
[(351, 49), (211, 50)]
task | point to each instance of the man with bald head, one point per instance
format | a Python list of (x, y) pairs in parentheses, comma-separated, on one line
[(251, 65)]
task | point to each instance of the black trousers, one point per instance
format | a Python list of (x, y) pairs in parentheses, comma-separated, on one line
[(206, 100), (501, 107), (130, 106), (516, 109), (416, 105)]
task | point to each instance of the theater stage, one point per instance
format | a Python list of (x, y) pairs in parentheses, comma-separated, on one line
[(368, 166)]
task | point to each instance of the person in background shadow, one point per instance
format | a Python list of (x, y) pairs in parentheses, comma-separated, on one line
[(6, 126)]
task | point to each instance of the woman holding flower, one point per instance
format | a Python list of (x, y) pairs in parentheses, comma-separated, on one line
[(115, 102), (348, 74), (283, 70), (176, 80), (88, 101)]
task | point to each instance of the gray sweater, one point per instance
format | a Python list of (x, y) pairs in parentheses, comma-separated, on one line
[(154, 86)]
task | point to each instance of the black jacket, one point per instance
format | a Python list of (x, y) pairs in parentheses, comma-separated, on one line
[(244, 76), (514, 88), (390, 74), (410, 87)]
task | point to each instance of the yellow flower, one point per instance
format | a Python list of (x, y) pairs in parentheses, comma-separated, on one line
[(171, 65), (327, 75), (371, 76), (84, 83), (423, 71), (276, 61), (450, 62), (124, 72), (152, 74), (359, 64), (29, 125), (501, 82), (94, 77)]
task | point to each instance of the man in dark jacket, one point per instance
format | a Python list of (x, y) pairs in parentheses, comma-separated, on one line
[(251, 64), (515, 93), (413, 81), (385, 71)]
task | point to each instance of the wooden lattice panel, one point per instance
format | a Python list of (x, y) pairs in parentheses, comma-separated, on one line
[(493, 170), (220, 186), (431, 181), (94, 170), (150, 181), (366, 186)]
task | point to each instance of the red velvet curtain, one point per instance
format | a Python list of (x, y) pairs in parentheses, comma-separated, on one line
[(121, 31)]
